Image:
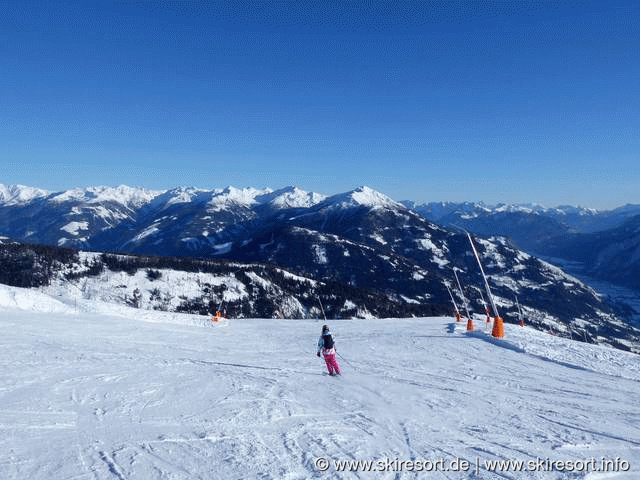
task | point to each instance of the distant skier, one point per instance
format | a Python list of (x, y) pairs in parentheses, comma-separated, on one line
[(327, 346)]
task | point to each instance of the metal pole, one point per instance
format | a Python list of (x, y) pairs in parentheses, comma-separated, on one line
[(452, 300), (486, 284), (464, 299), (484, 304), (348, 362), (321, 309)]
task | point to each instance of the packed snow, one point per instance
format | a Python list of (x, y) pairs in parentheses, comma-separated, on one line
[(93, 390)]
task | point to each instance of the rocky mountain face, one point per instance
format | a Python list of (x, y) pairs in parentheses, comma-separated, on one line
[(599, 244), (182, 284), (356, 240), (612, 255), (71, 218)]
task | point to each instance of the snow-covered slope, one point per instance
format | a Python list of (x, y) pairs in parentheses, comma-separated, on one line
[(605, 243), (117, 217), (382, 245), (193, 286), (19, 194), (531, 227), (360, 238), (124, 195), (362, 196), (70, 218), (139, 395)]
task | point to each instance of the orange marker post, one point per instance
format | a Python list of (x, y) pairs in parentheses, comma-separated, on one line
[(469, 325), (498, 328)]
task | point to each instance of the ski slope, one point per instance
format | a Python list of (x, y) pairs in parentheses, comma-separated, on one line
[(96, 391)]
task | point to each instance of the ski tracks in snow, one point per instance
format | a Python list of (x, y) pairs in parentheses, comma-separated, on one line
[(110, 398)]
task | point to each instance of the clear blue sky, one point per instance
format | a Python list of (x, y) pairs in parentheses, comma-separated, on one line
[(514, 101)]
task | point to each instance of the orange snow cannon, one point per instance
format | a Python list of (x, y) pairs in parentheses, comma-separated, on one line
[(498, 328), (469, 325)]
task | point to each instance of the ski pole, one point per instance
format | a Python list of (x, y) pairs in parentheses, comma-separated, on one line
[(348, 362)]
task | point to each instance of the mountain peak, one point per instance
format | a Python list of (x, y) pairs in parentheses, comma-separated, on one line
[(292, 197), (122, 194), (230, 195), (245, 195), (366, 197), (19, 194)]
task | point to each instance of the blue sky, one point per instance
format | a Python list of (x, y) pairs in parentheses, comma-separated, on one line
[(527, 101)]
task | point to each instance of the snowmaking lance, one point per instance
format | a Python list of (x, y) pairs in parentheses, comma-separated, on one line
[(486, 310), (219, 315), (520, 316), (464, 303), (455, 307), (498, 325)]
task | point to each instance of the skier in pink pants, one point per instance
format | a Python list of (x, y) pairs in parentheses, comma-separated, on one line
[(328, 349)]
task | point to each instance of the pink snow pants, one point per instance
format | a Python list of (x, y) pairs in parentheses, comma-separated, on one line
[(332, 363)]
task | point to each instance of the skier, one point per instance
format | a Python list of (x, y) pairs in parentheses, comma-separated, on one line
[(328, 349)]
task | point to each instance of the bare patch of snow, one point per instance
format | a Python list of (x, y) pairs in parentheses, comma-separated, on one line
[(320, 254), (73, 228), (145, 233)]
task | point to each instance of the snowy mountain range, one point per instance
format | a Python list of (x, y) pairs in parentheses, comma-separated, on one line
[(612, 254), (360, 239), (600, 244), (125, 218), (575, 218)]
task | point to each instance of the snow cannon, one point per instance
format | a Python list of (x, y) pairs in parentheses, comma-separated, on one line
[(469, 325), (498, 328)]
